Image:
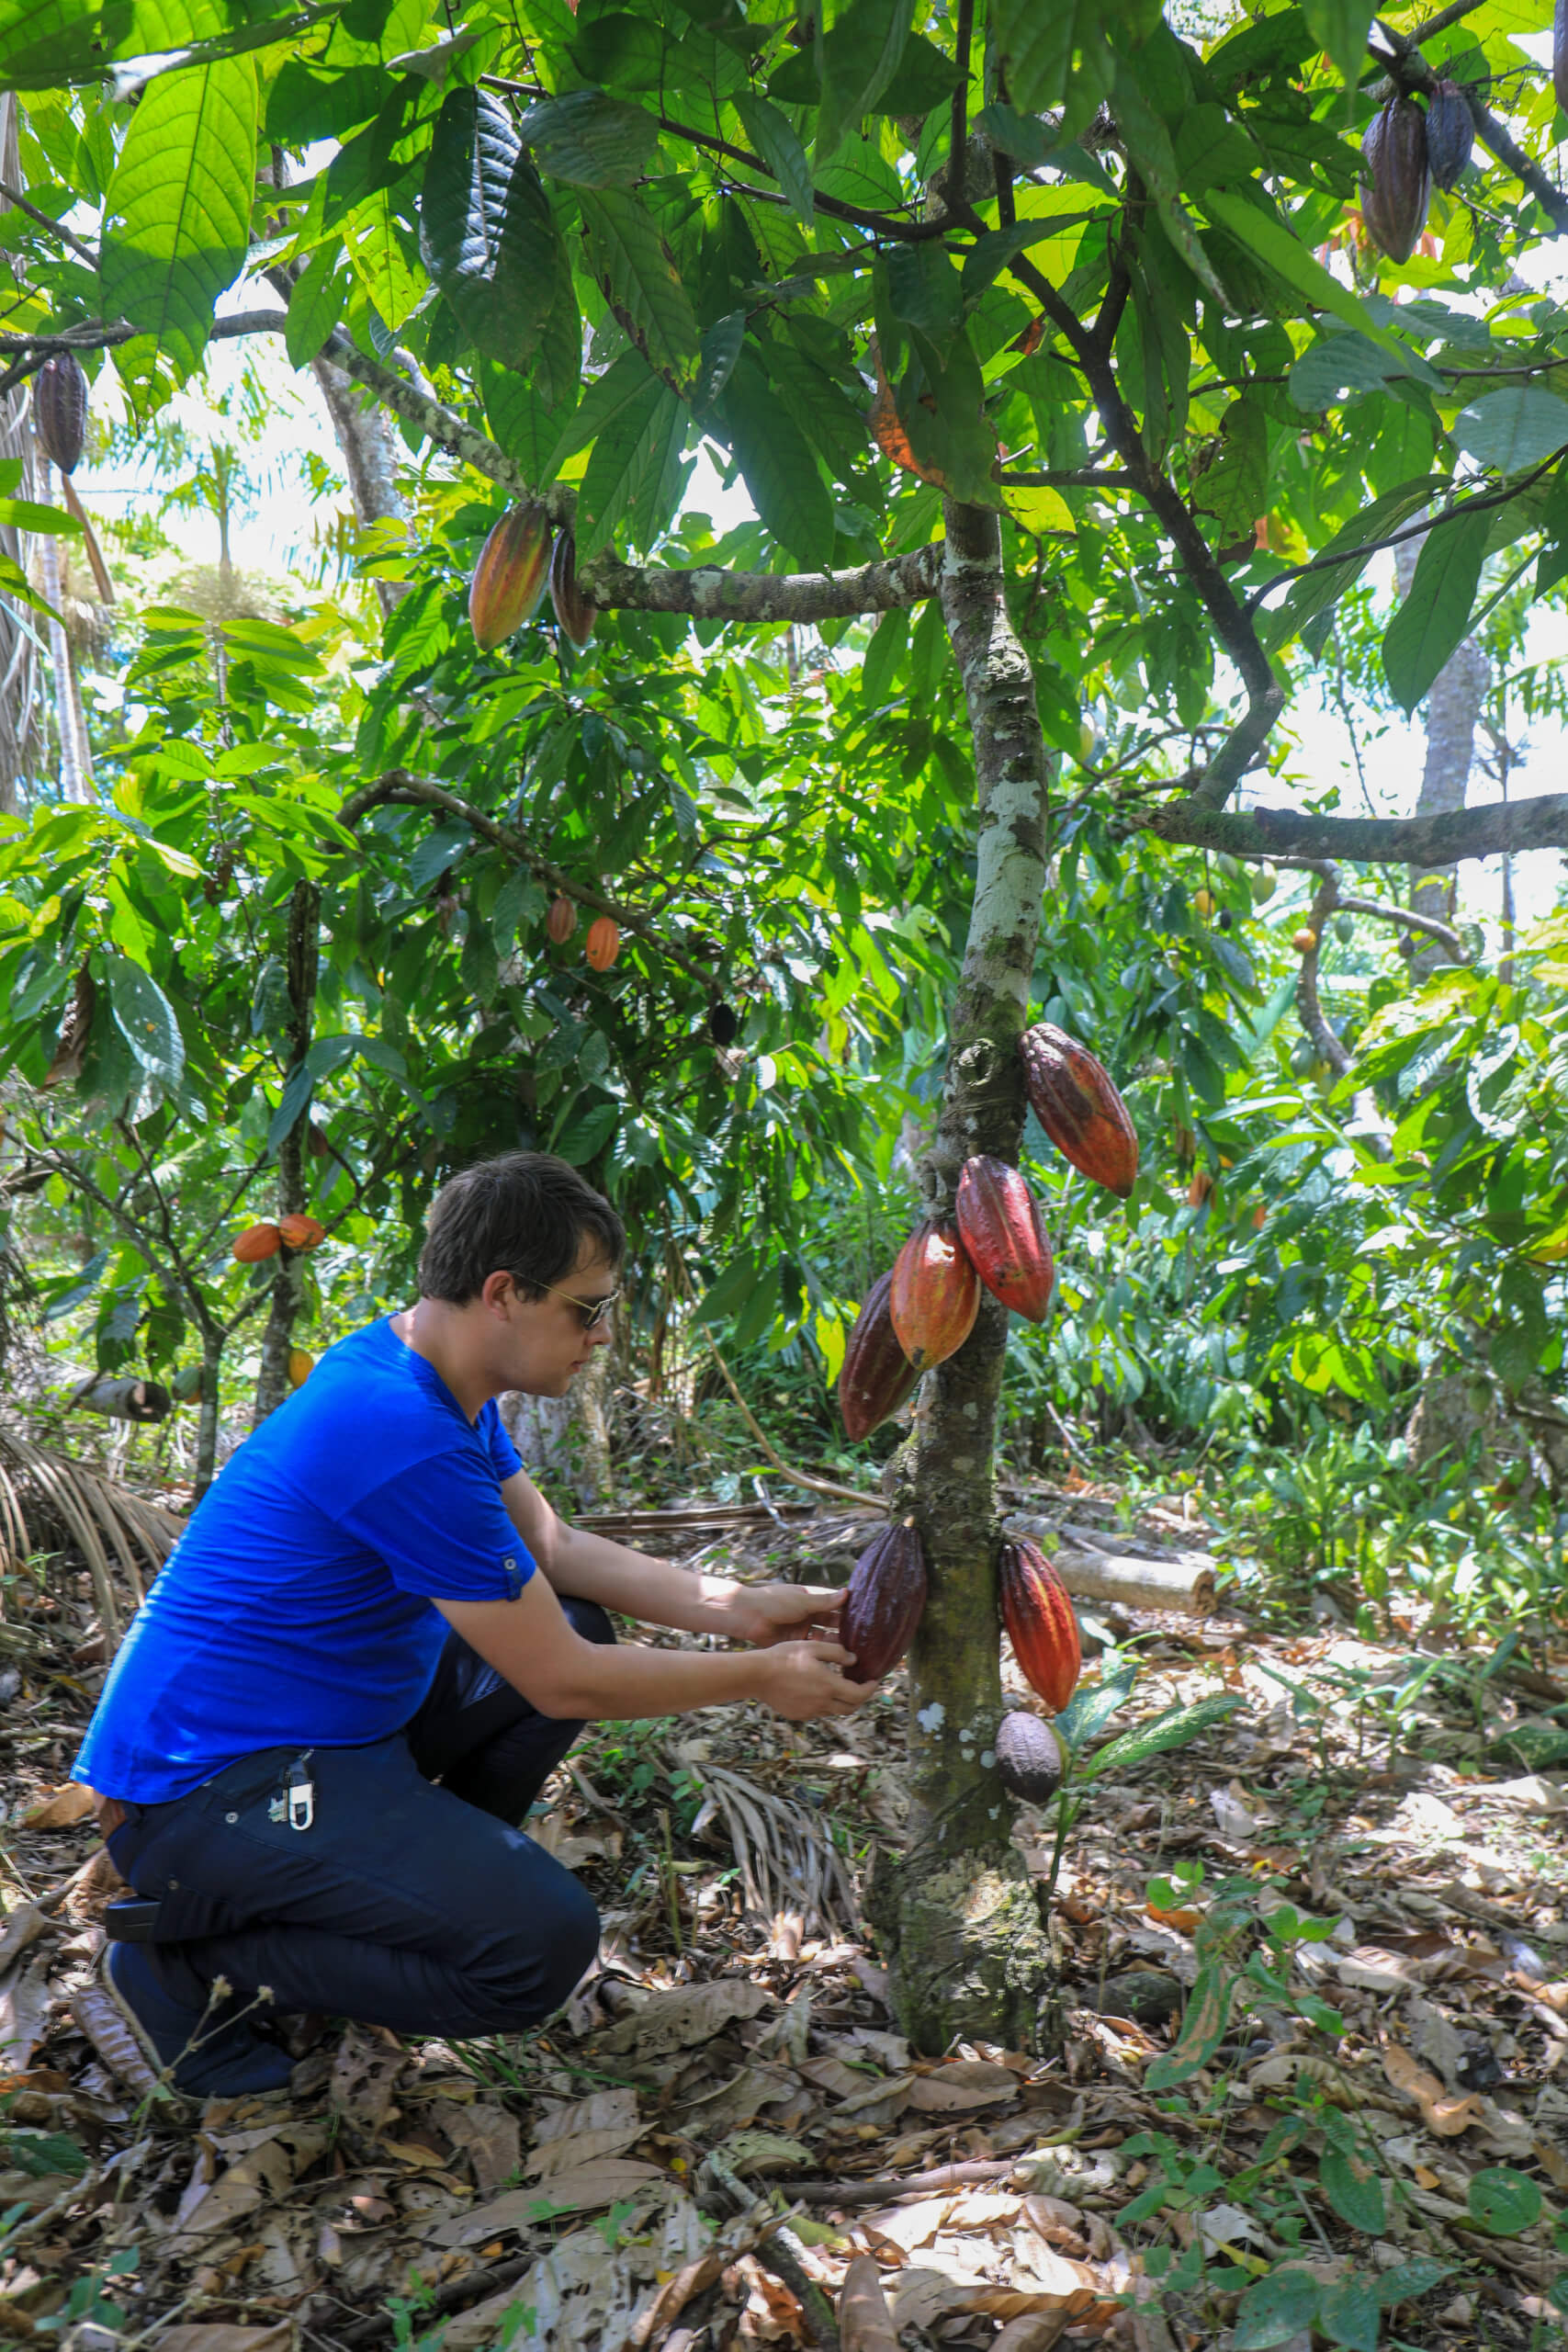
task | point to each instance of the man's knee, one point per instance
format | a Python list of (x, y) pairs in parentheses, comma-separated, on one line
[(587, 1617), (536, 1967)]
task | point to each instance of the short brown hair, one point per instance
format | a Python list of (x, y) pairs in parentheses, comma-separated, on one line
[(523, 1213)]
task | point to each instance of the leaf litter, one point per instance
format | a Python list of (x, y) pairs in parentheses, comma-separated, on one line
[(1306, 2078)]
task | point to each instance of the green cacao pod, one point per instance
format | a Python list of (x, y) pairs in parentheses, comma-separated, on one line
[(1040, 1623), (1079, 1108), (60, 410), (935, 1293), (1450, 134), (509, 578), (573, 611), (1396, 184), (1030, 1757), (876, 1376), (884, 1604), (1263, 881), (1001, 1228), (1345, 925)]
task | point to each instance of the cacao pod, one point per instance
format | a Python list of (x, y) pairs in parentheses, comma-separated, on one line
[(1397, 185), (1263, 881), (1304, 1058), (604, 943), (60, 410), (185, 1385), (1200, 1187), (1031, 1757), (1450, 134), (1001, 1228), (509, 578), (886, 1599), (300, 1232), (1079, 1108), (935, 1293), (724, 1024), (1345, 926), (561, 921), (1040, 1623), (876, 1376), (1259, 1216), (1203, 904), (573, 611), (302, 1364), (256, 1242), (1304, 941)]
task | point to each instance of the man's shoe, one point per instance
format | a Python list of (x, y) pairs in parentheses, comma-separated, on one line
[(206, 2056)]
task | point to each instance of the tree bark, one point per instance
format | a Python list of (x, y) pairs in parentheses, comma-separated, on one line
[(75, 759), (967, 1950), (369, 457), (1453, 712), (288, 1281), (18, 656)]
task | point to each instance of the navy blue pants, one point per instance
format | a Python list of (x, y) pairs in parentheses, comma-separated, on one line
[(404, 1903)]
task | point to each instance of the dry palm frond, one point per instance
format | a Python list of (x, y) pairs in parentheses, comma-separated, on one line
[(788, 1860), (45, 1496)]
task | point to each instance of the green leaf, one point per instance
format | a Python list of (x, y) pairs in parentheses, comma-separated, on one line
[(1434, 615), (518, 419), (1513, 428), (1408, 2280), (590, 139), (1278, 2307), (589, 1133), (627, 381), (778, 467), (721, 349), (630, 450), (1092, 1705), (1349, 2315), (1502, 2201), (628, 251), (1336, 364), (1177, 1727), (519, 900), (1355, 2192), (769, 131), (42, 2153), (178, 207), (145, 1019), (27, 515), (486, 229), (315, 305), (1038, 46), (924, 289), (1204, 2027), (857, 60), (293, 1104), (884, 656), (1321, 591), (1234, 490), (1148, 144), (1281, 251), (1340, 27), (53, 40)]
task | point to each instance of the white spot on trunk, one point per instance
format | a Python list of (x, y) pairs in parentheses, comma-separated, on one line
[(987, 1757), (931, 1719)]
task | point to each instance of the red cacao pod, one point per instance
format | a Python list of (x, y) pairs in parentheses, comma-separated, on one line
[(509, 578), (1396, 184), (935, 1293), (876, 1376), (1079, 1108), (604, 943), (886, 1599), (60, 410), (256, 1242), (1031, 1757), (1000, 1225), (573, 611), (561, 921), (1040, 1623), (300, 1232)]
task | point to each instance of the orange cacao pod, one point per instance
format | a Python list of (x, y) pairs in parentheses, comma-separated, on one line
[(1000, 1225), (935, 1293), (1040, 1623), (300, 1232), (1079, 1108), (573, 611), (1200, 1187), (1304, 941), (885, 1601), (509, 578), (604, 943), (256, 1242), (876, 1376), (561, 921), (302, 1364), (1031, 1758)]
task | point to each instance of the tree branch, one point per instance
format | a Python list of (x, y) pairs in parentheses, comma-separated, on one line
[(707, 593), (1367, 547), (1442, 840)]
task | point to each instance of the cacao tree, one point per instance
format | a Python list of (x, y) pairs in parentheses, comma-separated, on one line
[(1046, 340)]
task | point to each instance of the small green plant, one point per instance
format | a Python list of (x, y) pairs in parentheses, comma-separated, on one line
[(90, 2300)]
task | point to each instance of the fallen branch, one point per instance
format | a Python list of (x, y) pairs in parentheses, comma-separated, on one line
[(1093, 1569)]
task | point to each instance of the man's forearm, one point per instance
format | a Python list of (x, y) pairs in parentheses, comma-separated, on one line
[(655, 1592), (630, 1680)]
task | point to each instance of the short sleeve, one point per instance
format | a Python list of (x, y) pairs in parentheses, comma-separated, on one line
[(503, 1453), (441, 1527)]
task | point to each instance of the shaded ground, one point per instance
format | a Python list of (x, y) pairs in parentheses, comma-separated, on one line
[(1339, 1924)]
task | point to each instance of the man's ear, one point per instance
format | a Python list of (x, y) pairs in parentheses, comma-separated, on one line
[(498, 1292)]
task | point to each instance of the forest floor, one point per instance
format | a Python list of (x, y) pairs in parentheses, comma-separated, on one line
[(690, 2156)]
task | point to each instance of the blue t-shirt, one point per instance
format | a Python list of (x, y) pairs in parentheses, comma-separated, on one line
[(297, 1607)]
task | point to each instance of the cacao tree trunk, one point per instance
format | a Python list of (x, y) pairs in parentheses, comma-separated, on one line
[(19, 659), (370, 461), (1453, 711), (968, 1954), (207, 1411), (75, 757), (288, 1281)]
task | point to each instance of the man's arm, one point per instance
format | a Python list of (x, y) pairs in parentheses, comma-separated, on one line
[(659, 1592), (533, 1643)]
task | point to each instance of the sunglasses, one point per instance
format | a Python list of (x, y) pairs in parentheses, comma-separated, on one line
[(595, 1312)]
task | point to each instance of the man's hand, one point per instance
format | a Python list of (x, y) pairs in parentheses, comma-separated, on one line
[(765, 1613), (802, 1678)]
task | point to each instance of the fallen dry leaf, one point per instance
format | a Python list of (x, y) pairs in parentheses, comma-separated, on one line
[(865, 2324), (63, 1809), (680, 2020), (216, 2336), (1441, 2113)]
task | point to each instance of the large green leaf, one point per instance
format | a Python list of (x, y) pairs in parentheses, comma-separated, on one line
[(1277, 2310), (1231, 493), (518, 419), (145, 1019), (1434, 615), (315, 304), (1275, 245), (486, 229), (858, 58), (1175, 1727), (778, 467), (1037, 46), (58, 40), (631, 450), (769, 131), (585, 136), (179, 205), (1516, 427), (639, 270), (1316, 595)]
